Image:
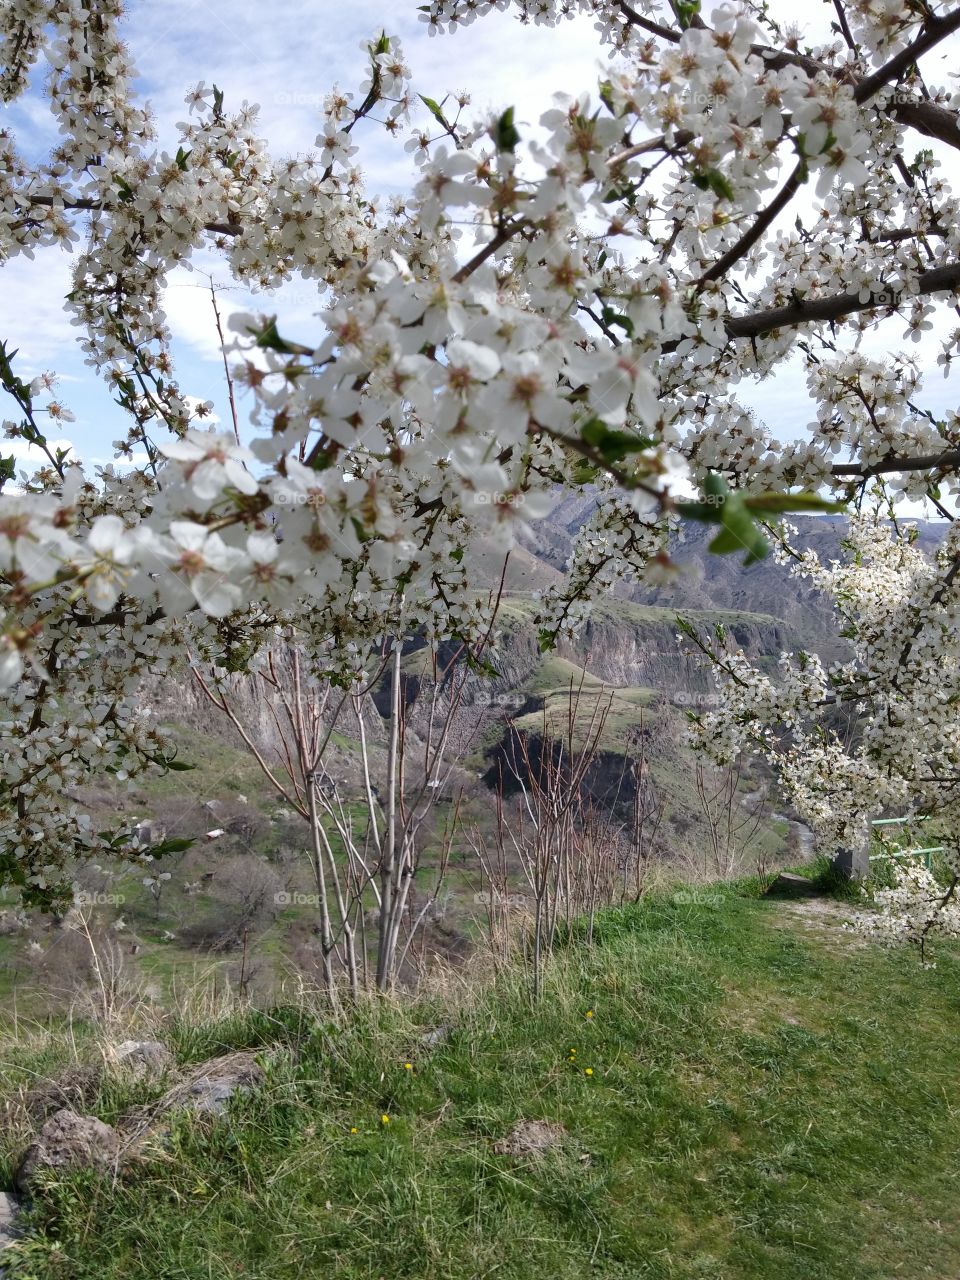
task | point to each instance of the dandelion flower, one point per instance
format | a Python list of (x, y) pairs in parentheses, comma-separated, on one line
[(589, 1013), (408, 1066), (384, 1119), (353, 1128), (588, 1071)]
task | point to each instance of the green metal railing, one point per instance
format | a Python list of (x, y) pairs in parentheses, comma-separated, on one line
[(927, 851)]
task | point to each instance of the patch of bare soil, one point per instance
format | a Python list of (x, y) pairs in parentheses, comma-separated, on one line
[(823, 917), (531, 1138)]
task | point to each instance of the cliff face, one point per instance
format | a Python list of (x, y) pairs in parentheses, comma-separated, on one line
[(709, 581), (630, 645)]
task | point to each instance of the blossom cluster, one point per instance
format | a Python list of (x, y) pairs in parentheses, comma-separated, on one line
[(572, 310)]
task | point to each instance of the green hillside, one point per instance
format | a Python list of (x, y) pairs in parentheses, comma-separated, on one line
[(719, 1086)]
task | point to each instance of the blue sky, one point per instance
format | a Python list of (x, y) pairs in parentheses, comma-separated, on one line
[(286, 58), (286, 63)]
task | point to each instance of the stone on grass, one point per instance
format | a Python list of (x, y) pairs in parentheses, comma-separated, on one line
[(209, 1087), (206, 1088), (9, 1211), (436, 1036), (793, 886), (144, 1058), (69, 1141)]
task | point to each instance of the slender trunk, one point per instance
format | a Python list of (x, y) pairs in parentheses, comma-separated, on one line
[(388, 864), (326, 931)]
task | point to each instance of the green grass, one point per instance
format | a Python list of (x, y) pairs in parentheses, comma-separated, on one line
[(556, 681), (767, 1100), (515, 609), (603, 716)]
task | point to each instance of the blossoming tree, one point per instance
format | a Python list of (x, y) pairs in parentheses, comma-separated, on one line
[(879, 731), (576, 309)]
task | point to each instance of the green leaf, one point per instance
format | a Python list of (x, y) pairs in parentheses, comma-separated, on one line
[(714, 486), (686, 11), (771, 503), (7, 469), (713, 180), (270, 339), (505, 133), (627, 192), (739, 533), (546, 640), (584, 472), (435, 109), (704, 511), (179, 844), (611, 317), (614, 446)]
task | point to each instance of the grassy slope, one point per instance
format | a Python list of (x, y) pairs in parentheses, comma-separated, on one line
[(767, 1099), (517, 608)]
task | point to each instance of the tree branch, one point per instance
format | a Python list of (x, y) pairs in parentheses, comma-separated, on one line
[(938, 280)]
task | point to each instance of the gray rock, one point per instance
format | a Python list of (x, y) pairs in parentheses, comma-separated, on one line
[(436, 1036), (9, 1212), (144, 1058), (212, 1086), (11, 922), (206, 1088), (69, 1141), (793, 886)]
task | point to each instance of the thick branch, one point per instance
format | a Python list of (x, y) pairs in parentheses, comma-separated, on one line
[(926, 462), (934, 30), (646, 24), (763, 220), (939, 280)]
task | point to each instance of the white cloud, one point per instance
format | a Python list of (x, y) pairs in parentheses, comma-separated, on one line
[(32, 314)]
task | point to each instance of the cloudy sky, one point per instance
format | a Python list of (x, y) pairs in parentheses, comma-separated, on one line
[(285, 58)]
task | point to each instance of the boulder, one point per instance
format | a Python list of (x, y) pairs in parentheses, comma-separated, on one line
[(206, 1088), (789, 885), (9, 1211), (143, 1058), (211, 1086), (69, 1141), (436, 1036)]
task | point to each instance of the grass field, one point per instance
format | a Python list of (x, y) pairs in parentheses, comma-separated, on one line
[(740, 1090)]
